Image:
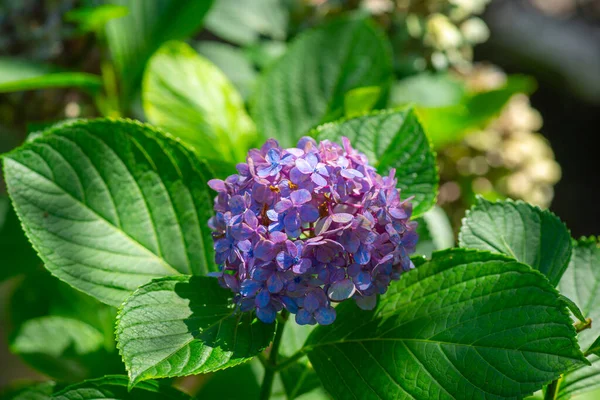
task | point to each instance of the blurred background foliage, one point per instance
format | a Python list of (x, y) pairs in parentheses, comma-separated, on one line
[(507, 90)]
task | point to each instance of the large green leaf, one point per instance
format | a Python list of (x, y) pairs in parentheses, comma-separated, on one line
[(28, 391), (393, 139), (582, 380), (233, 61), (466, 324), (70, 349), (78, 330), (307, 85), (17, 75), (188, 96), (133, 38), (182, 325), (245, 21), (111, 204), (581, 283), (115, 387), (16, 254), (524, 232)]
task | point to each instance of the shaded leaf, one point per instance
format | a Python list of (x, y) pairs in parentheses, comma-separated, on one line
[(524, 232), (233, 62), (581, 381), (17, 75), (361, 100), (114, 387), (245, 21), (468, 323), (111, 204), (29, 391), (190, 98), (393, 139), (180, 325), (307, 85), (16, 253), (427, 90), (133, 38)]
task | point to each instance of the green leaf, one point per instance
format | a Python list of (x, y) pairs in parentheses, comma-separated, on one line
[(581, 283), (594, 348), (582, 380), (28, 391), (16, 254), (180, 325), (361, 100), (427, 90), (247, 378), (521, 231), (393, 139), (133, 38), (243, 22), (18, 75), (94, 19), (467, 324), (573, 308), (115, 387), (233, 62), (451, 123), (307, 85), (68, 317), (435, 232), (67, 347), (189, 97), (111, 204)]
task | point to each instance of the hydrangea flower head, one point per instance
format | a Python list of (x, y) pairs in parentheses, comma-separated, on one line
[(305, 227)]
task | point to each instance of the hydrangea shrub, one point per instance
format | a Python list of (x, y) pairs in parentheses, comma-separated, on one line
[(296, 271)]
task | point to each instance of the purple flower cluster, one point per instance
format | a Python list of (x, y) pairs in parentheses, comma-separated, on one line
[(303, 227)]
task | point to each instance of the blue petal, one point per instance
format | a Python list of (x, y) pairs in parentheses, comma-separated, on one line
[(266, 314), (263, 298), (249, 288), (325, 315)]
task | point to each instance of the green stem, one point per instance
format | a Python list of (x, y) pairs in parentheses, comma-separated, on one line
[(295, 357), (267, 383), (552, 389)]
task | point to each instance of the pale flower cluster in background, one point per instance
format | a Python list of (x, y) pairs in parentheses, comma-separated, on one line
[(507, 158)]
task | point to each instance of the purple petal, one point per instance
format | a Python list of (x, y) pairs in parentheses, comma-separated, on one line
[(222, 245), (217, 185), (295, 151), (237, 205), (362, 256), (398, 213), (366, 302), (284, 260), (312, 160), (265, 250), (311, 302), (278, 237), (251, 219), (272, 156), (318, 180), (273, 215), (249, 288), (300, 197), (325, 315), (304, 317), (231, 282), (303, 266), (292, 223), (266, 314), (274, 283), (303, 166), (308, 213), (341, 290), (363, 280), (342, 218), (261, 274), (291, 248), (282, 206), (244, 245), (263, 298), (321, 169)]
